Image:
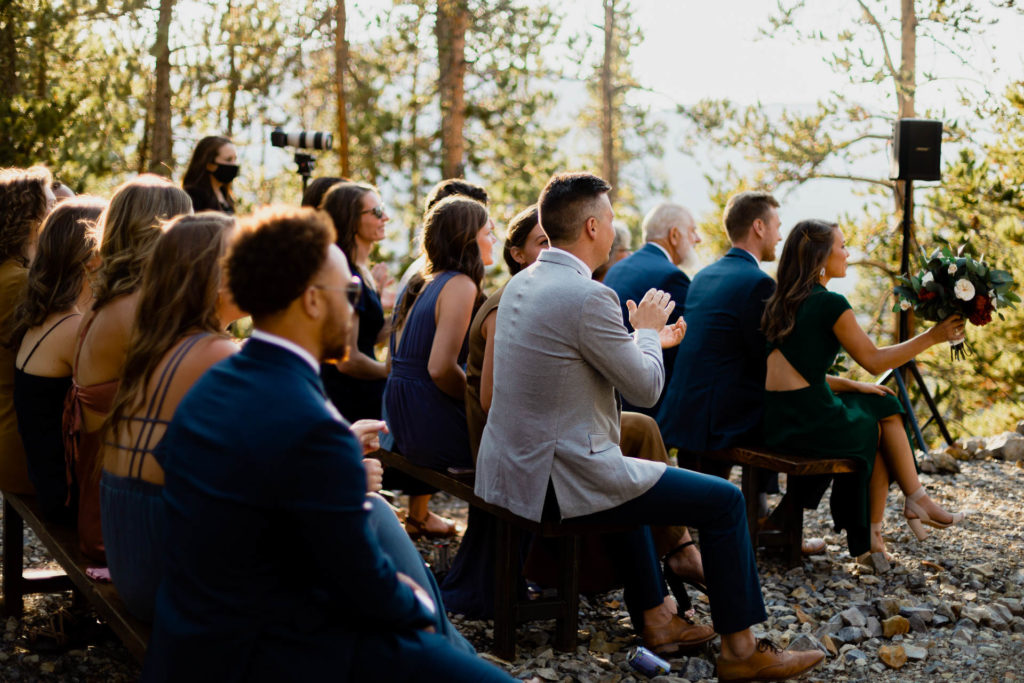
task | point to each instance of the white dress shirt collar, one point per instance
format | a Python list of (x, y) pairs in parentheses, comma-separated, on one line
[(663, 250), (289, 345)]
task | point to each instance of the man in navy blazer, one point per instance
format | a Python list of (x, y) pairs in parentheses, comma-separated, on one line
[(670, 234), (275, 569), (715, 397)]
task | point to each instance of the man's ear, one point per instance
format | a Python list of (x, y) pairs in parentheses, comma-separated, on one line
[(674, 236), (312, 304), (758, 227), (591, 227)]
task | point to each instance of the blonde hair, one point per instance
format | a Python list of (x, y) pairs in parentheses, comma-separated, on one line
[(131, 224)]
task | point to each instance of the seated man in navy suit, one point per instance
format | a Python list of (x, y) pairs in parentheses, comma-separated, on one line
[(275, 568), (715, 395), (670, 235)]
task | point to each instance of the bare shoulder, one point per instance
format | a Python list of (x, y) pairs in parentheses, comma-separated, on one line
[(459, 286), (114, 321), (210, 351)]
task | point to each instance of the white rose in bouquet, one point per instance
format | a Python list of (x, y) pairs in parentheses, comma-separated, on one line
[(963, 289), (928, 277), (904, 305), (952, 269)]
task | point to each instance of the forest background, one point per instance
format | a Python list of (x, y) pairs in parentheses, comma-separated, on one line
[(677, 99)]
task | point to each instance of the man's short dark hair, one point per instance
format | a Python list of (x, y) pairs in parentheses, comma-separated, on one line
[(743, 209), (275, 255), (456, 186), (566, 202)]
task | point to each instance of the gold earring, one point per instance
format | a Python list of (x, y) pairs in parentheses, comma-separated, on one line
[(822, 272)]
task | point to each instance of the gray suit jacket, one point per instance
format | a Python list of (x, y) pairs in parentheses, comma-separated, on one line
[(560, 353)]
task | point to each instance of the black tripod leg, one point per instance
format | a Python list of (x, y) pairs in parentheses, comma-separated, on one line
[(931, 403), (905, 400)]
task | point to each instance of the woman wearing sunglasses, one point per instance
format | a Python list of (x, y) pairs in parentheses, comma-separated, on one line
[(356, 383)]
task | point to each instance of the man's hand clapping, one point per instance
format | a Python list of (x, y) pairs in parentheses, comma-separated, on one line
[(653, 311), (671, 335)]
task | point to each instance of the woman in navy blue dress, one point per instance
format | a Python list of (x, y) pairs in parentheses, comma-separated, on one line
[(356, 384), (424, 395)]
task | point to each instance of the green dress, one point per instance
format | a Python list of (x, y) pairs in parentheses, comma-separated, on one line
[(816, 422)]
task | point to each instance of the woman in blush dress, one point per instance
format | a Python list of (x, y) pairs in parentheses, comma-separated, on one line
[(131, 224)]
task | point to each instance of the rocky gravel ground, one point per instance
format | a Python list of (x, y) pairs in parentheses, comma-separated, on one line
[(950, 609)]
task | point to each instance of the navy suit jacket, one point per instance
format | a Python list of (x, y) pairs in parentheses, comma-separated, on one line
[(715, 397), (272, 572), (631, 278)]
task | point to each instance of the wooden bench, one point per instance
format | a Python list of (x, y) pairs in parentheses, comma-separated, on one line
[(62, 544), (509, 608), (791, 514)]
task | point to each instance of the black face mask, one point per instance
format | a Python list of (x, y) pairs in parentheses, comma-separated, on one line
[(225, 173)]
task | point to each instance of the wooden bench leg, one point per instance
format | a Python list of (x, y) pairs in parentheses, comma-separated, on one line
[(793, 514), (750, 494), (506, 571), (14, 557), (569, 588)]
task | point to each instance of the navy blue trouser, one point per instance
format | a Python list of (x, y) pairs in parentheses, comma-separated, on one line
[(716, 508)]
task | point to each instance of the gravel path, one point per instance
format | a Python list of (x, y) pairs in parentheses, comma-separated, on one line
[(958, 595)]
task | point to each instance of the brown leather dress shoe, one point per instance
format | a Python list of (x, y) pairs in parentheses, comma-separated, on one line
[(768, 663), (676, 635), (813, 546)]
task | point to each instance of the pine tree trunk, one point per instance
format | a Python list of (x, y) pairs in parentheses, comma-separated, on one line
[(450, 27), (906, 88), (340, 69), (609, 166), (161, 158)]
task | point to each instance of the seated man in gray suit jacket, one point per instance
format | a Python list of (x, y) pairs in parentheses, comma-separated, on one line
[(561, 351)]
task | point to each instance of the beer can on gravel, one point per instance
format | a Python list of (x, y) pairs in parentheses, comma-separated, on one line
[(646, 662)]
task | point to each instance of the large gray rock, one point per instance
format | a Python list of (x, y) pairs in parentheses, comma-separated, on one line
[(805, 642), (1007, 446), (854, 617), (938, 462), (887, 607), (850, 635)]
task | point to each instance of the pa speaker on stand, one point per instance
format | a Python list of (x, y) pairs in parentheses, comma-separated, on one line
[(916, 155)]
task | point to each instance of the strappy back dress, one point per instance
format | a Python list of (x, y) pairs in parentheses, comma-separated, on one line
[(134, 517)]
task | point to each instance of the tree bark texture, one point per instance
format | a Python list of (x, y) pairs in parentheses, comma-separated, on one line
[(450, 27), (609, 164), (161, 158), (340, 69)]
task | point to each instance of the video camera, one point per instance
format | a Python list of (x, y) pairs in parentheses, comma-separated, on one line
[(302, 139)]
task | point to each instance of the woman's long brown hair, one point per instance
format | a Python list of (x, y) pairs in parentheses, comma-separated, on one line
[(178, 297), (803, 256), (449, 241), (67, 241), (131, 224)]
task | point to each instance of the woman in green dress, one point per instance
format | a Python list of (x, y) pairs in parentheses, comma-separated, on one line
[(811, 413)]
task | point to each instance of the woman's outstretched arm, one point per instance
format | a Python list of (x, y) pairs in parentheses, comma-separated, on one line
[(877, 360)]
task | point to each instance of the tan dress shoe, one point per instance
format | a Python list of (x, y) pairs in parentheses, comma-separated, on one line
[(768, 663), (813, 546), (676, 635)]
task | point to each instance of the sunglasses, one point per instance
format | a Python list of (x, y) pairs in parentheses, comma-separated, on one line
[(377, 211), (352, 290)]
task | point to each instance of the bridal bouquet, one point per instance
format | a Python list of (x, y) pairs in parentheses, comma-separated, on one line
[(951, 284)]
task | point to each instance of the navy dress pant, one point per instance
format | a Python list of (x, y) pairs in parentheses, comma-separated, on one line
[(716, 508)]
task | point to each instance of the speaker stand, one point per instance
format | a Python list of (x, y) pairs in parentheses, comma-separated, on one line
[(910, 370)]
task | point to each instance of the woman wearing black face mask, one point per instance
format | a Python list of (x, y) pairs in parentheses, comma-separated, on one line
[(214, 164)]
